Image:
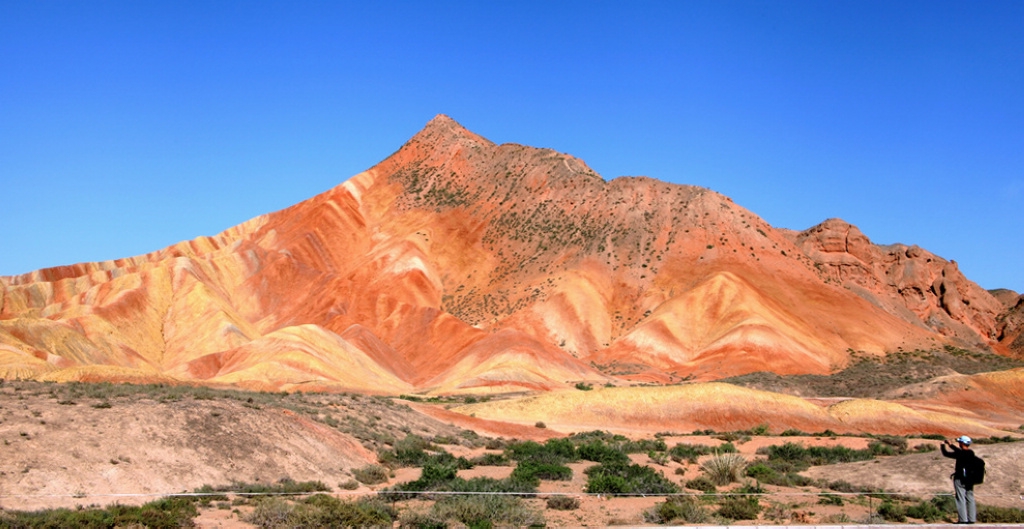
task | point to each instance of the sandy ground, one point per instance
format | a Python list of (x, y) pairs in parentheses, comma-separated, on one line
[(54, 454)]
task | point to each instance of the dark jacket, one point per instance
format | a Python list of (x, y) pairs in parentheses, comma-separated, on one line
[(962, 455)]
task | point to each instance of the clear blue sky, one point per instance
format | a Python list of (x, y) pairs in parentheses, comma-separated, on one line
[(126, 127)]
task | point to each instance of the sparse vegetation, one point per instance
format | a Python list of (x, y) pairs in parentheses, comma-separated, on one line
[(677, 509), (868, 376), (724, 468), (371, 474), (162, 513), (321, 510), (613, 471)]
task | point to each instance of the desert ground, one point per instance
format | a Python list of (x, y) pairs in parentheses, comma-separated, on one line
[(78, 445)]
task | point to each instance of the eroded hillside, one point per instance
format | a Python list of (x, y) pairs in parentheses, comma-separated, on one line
[(460, 265)]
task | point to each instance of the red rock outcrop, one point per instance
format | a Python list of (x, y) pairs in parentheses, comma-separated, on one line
[(907, 281), (460, 265)]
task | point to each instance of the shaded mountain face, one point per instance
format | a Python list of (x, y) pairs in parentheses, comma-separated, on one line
[(459, 265)]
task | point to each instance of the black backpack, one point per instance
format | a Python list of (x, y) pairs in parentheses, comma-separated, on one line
[(974, 470)]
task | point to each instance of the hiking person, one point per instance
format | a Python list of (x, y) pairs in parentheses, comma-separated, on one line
[(964, 477)]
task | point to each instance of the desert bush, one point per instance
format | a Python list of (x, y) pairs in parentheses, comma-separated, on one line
[(563, 503), (799, 457), (990, 514), (688, 452), (891, 512), (270, 512), (553, 451), (600, 452), (606, 484), (764, 473), (761, 429), (484, 484), (349, 485), (283, 486), (490, 459), (658, 458), (531, 471), (408, 452), (444, 478), (930, 511), (643, 445), (740, 508), (486, 511), (418, 519), (434, 477), (326, 511), (684, 509), (830, 499), (701, 483), (629, 479), (899, 444), (321, 511), (496, 443), (724, 469), (371, 474)]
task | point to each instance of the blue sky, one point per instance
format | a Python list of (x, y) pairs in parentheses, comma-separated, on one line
[(126, 127)]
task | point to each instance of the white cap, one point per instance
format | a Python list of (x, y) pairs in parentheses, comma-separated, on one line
[(964, 439)]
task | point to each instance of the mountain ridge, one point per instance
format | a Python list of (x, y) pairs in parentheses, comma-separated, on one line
[(457, 264)]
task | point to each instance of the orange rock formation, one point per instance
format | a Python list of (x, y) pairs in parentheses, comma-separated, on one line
[(459, 265)]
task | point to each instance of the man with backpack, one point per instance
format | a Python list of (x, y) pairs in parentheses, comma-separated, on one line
[(969, 471)]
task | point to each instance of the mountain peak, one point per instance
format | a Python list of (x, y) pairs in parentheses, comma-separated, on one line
[(442, 128)]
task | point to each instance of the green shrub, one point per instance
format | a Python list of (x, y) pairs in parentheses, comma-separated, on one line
[(989, 514), (435, 477), (563, 503), (445, 478), (740, 508), (600, 452), (486, 511), (326, 511), (881, 449), (830, 499), (891, 512), (899, 444), (702, 484), (800, 458), (553, 451), (928, 511), (764, 473), (490, 460), (283, 486), (606, 484), (320, 511), (643, 445), (688, 452), (408, 452), (761, 429), (684, 509), (371, 474), (531, 471), (270, 512), (630, 479)]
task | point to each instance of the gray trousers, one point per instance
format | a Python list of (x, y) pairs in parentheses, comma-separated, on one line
[(966, 509)]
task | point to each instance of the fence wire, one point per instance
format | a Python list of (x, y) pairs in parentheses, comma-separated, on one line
[(412, 493)]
